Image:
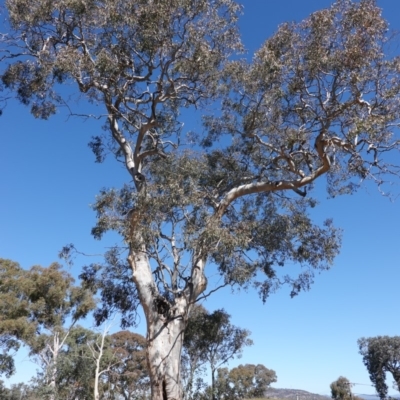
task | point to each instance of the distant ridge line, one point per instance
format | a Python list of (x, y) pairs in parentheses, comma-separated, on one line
[(299, 394)]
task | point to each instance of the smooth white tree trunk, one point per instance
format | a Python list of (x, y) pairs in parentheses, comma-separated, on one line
[(54, 350), (164, 354), (165, 326)]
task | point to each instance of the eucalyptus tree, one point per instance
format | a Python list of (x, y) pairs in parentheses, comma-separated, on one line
[(56, 305), (248, 381), (120, 371), (127, 376), (18, 391), (381, 354), (14, 310), (93, 365), (75, 366), (320, 97), (39, 307)]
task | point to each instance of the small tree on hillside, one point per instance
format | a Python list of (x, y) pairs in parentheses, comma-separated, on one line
[(341, 389), (319, 98), (250, 381)]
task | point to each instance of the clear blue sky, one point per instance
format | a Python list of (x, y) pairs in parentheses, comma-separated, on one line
[(48, 179)]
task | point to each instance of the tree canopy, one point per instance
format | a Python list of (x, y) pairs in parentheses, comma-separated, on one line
[(248, 381)]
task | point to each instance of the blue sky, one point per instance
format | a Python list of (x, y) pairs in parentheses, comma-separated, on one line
[(48, 180)]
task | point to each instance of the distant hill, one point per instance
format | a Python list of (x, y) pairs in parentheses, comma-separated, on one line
[(297, 394), (368, 396), (294, 394), (374, 397)]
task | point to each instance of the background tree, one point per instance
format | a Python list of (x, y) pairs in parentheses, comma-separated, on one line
[(221, 389), (19, 391), (211, 338), (250, 381), (193, 359), (381, 354), (14, 324), (128, 375), (242, 382), (117, 361), (55, 305), (41, 306), (75, 366), (98, 352), (319, 98), (341, 389)]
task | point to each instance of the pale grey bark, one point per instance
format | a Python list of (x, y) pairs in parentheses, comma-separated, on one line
[(53, 365), (97, 350), (164, 352), (165, 326), (50, 362), (322, 143), (165, 322)]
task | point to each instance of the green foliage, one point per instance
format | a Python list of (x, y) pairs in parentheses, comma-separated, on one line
[(120, 45), (310, 85), (128, 373), (54, 298), (243, 382), (211, 339), (341, 389), (113, 279), (180, 198), (36, 305), (122, 365), (39, 299), (75, 366), (15, 323), (246, 381), (381, 354), (123, 369), (18, 392)]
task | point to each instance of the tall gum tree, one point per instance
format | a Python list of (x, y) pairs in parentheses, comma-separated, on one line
[(319, 98)]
